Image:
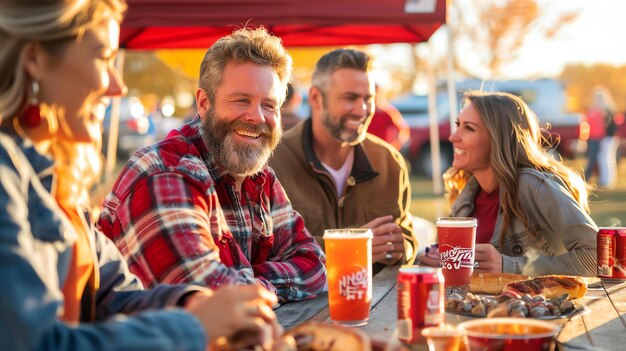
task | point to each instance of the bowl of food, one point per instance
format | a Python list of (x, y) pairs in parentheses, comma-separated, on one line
[(509, 334)]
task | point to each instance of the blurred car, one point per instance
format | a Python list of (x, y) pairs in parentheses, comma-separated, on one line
[(546, 97), (136, 129), (414, 109)]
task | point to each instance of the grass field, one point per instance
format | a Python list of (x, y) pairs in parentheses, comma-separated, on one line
[(608, 207)]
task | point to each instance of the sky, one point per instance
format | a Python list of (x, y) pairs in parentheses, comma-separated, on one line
[(598, 35)]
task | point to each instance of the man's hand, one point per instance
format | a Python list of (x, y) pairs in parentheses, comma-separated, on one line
[(237, 315), (487, 259), (388, 243)]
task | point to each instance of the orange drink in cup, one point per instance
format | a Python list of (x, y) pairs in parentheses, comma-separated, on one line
[(349, 273), (443, 338), (456, 236)]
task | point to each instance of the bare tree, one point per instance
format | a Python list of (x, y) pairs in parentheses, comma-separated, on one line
[(580, 80), (488, 34)]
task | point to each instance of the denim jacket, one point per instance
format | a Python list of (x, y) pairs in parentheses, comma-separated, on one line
[(563, 236), (35, 242)]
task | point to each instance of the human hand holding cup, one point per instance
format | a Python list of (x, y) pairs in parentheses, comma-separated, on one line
[(457, 236)]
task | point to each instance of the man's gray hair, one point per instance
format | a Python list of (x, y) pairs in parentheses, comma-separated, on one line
[(338, 59)]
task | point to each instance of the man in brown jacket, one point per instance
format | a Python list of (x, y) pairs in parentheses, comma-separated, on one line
[(335, 174)]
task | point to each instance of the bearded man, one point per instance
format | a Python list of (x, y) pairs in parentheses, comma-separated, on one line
[(201, 206), (335, 174)]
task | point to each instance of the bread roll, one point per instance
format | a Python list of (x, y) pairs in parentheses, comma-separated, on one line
[(493, 283), (327, 337), (550, 286)]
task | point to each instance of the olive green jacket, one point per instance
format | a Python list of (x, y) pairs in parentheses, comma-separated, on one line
[(378, 185), (563, 236)]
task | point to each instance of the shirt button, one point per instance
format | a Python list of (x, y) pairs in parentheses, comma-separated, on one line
[(517, 249)]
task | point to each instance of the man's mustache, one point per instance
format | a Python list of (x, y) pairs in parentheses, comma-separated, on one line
[(262, 129)]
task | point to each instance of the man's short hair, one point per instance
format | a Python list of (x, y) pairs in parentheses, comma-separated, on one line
[(244, 45), (290, 93), (338, 59)]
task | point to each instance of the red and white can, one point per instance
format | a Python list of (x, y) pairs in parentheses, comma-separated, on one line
[(421, 296), (612, 252)]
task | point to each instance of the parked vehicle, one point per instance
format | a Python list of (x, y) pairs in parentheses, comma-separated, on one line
[(545, 96), (136, 129), (414, 109)]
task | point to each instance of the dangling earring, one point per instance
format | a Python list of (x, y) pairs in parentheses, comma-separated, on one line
[(31, 117)]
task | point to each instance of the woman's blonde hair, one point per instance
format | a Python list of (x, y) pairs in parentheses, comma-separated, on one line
[(53, 24), (513, 126)]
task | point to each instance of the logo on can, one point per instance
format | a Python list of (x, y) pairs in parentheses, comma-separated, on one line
[(420, 301), (612, 252)]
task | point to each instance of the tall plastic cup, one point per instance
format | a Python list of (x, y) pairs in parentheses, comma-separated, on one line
[(457, 237), (349, 272)]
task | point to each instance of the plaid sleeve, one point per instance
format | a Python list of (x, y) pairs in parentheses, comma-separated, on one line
[(295, 266), (167, 221)]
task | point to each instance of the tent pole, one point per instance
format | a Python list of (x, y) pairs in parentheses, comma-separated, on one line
[(435, 151), (452, 96), (111, 155)]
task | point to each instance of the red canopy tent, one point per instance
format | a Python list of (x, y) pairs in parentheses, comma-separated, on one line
[(154, 24), (160, 24)]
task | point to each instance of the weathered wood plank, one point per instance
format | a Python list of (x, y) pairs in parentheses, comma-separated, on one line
[(604, 327), (617, 294), (292, 314), (573, 336), (383, 317), (383, 283)]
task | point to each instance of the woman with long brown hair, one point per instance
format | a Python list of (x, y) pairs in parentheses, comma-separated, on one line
[(65, 285), (532, 210)]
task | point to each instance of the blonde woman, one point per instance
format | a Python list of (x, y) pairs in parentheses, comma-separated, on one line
[(65, 285), (532, 210)]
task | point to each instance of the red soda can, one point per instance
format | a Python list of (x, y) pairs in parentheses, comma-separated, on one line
[(612, 252), (421, 296)]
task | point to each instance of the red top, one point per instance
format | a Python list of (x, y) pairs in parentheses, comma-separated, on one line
[(595, 118), (389, 125), (486, 212)]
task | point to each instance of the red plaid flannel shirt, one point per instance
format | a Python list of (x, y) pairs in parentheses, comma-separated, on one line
[(177, 218)]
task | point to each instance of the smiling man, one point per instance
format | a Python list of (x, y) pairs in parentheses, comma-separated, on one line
[(201, 206), (337, 175)]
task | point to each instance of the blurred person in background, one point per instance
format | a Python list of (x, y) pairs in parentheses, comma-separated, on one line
[(602, 143), (335, 173), (532, 210), (201, 206), (289, 110), (388, 123), (67, 287)]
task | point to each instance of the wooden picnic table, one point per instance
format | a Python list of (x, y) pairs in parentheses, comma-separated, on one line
[(602, 328)]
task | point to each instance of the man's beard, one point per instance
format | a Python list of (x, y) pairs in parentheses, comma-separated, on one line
[(336, 128), (239, 158)]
